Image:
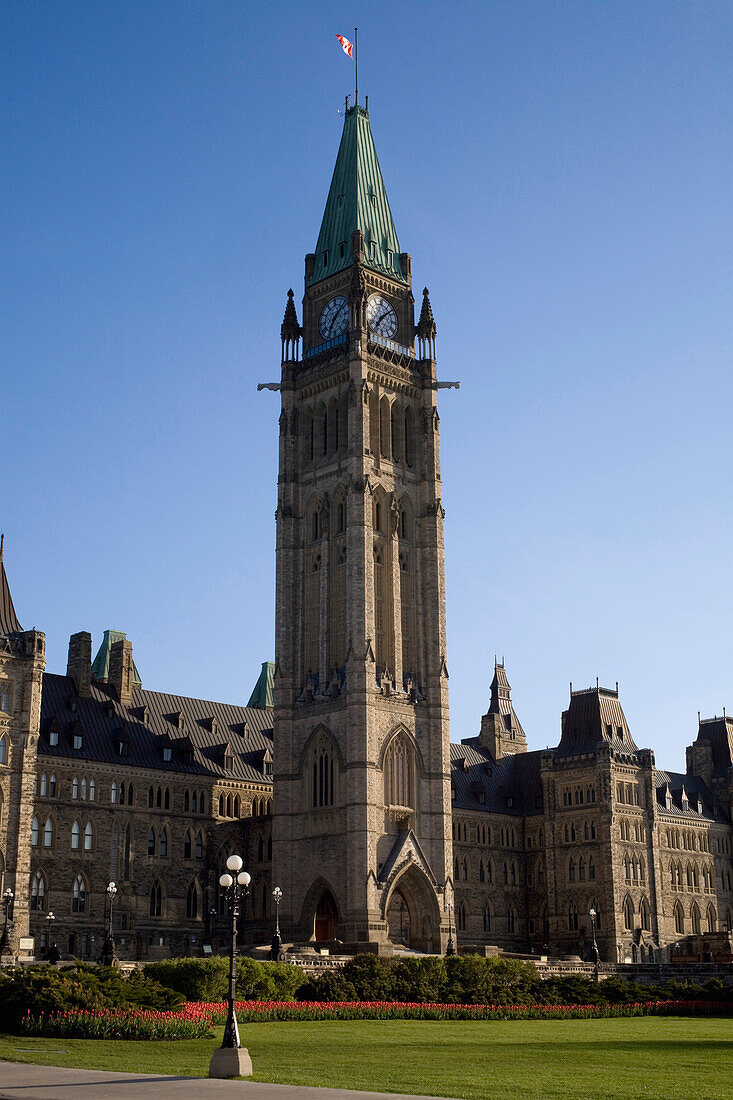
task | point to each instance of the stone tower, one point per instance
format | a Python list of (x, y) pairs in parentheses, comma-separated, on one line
[(361, 831), (22, 662)]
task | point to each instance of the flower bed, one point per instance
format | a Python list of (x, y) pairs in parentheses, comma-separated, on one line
[(255, 1011), (196, 1019), (116, 1024)]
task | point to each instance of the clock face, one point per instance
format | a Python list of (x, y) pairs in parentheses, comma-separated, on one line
[(381, 316), (334, 318)]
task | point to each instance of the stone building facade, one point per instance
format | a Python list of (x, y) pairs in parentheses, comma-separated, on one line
[(383, 833)]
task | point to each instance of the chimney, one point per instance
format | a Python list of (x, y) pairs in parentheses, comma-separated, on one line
[(79, 664), (120, 670)]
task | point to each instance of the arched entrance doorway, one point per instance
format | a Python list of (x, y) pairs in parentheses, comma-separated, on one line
[(398, 919), (326, 919), (413, 914)]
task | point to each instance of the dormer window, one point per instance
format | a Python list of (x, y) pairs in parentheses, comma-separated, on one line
[(342, 250), (167, 755), (268, 767), (325, 257), (229, 763), (53, 737), (668, 799), (390, 256), (109, 709), (77, 741), (122, 748), (373, 250)]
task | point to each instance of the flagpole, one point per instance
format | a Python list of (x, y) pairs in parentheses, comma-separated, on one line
[(356, 63)]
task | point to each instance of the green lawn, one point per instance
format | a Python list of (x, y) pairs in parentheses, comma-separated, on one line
[(599, 1059)]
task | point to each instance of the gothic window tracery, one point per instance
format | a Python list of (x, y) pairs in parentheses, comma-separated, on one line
[(399, 772)]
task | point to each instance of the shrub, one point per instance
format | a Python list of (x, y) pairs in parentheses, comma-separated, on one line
[(208, 979), (44, 989)]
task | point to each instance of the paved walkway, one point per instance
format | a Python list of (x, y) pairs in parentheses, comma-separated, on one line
[(19, 1079)]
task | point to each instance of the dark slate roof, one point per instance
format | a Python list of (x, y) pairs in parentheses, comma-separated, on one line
[(594, 715), (262, 693), (516, 777), (153, 721), (8, 619), (694, 788), (718, 732)]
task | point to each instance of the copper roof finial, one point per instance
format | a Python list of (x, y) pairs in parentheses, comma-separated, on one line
[(2, 543)]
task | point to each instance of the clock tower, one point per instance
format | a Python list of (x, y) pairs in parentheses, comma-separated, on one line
[(362, 806)]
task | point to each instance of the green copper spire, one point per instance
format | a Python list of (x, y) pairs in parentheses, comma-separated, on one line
[(357, 199)]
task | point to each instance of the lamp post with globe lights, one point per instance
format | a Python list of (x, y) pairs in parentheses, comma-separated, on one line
[(231, 1059), (7, 904), (108, 950), (450, 948), (592, 914), (276, 945)]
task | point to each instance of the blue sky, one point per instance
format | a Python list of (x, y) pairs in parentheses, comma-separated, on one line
[(561, 175)]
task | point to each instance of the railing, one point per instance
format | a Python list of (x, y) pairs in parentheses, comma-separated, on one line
[(391, 345), (326, 346)]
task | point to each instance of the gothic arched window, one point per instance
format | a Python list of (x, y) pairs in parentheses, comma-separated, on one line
[(187, 844), (38, 891), (628, 913), (399, 772), (48, 833), (192, 901), (679, 919), (79, 895), (151, 842), (156, 899), (88, 836), (163, 847)]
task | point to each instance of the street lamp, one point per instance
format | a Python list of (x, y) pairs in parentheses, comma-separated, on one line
[(231, 1059), (592, 915), (276, 945), (450, 949), (108, 950), (7, 904), (53, 955)]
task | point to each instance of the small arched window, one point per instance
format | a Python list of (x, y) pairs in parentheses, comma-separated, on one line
[(38, 891), (113, 792), (75, 835), (75, 787), (644, 915), (92, 790), (511, 919), (79, 895), (679, 919), (487, 918), (159, 798), (122, 794), (88, 836), (48, 833), (151, 842), (163, 847), (187, 844), (3, 749), (167, 799), (156, 899), (628, 913), (221, 805), (186, 798), (695, 919), (199, 849), (35, 833), (83, 789), (461, 918), (44, 785), (192, 901), (571, 870), (591, 868), (236, 805), (151, 798), (572, 917)]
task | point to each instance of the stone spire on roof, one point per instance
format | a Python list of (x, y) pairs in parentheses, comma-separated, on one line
[(290, 330), (357, 201), (8, 619), (501, 731), (425, 329)]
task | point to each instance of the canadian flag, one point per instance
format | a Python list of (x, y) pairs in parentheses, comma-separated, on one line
[(346, 46)]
